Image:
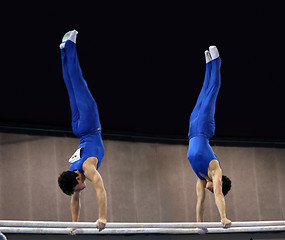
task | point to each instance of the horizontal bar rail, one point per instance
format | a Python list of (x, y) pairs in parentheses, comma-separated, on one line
[(27, 230), (50, 224), (48, 227)]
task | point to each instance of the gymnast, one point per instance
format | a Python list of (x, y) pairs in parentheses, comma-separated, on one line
[(86, 160), (204, 162)]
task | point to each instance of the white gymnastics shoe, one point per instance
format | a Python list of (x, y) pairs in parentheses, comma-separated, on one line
[(214, 52), (71, 35), (208, 56)]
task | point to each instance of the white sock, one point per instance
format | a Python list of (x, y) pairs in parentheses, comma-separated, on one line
[(71, 35), (208, 56), (214, 52)]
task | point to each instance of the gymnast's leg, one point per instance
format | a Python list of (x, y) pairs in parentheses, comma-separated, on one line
[(207, 111), (67, 81), (196, 110), (87, 108)]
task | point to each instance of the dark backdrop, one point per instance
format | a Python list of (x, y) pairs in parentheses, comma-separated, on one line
[(144, 64)]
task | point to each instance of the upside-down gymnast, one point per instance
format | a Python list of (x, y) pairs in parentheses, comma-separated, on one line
[(204, 162), (86, 160)]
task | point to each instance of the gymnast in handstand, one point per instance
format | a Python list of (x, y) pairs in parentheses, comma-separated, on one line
[(204, 162), (87, 159)]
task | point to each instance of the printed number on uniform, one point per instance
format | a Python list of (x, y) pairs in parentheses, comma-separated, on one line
[(75, 157)]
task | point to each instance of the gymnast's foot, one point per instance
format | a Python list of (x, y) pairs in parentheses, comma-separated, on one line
[(71, 35), (214, 52), (208, 56)]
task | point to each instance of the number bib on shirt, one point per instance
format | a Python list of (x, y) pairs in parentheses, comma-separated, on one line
[(75, 157)]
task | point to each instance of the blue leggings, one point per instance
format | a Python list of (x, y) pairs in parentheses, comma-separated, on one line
[(85, 116), (202, 121)]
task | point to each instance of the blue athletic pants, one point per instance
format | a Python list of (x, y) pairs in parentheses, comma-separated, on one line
[(202, 121), (85, 116)]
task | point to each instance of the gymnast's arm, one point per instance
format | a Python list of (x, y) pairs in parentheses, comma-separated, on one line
[(95, 178), (75, 206), (200, 206), (216, 173)]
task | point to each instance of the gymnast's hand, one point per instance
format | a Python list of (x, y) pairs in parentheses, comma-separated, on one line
[(72, 231), (101, 223), (226, 223), (202, 230)]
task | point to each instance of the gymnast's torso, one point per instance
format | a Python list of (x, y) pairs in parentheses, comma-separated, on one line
[(200, 154), (90, 146)]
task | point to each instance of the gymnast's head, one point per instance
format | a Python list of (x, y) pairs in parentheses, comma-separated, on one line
[(226, 185), (71, 181)]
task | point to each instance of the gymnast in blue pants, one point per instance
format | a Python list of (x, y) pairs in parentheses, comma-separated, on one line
[(87, 159), (200, 154)]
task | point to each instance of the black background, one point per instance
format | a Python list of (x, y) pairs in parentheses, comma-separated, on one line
[(144, 64)]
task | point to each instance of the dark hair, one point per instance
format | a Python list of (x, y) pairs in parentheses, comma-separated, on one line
[(67, 181), (227, 184)]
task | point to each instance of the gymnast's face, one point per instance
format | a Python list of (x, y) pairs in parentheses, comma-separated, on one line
[(80, 186)]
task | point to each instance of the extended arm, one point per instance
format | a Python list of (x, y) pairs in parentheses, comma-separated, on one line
[(94, 177), (219, 196), (200, 206), (97, 184), (75, 206)]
